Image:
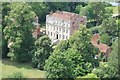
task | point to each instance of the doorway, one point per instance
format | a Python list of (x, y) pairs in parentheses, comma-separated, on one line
[(57, 36)]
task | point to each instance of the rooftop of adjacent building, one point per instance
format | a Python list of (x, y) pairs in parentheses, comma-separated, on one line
[(95, 42)]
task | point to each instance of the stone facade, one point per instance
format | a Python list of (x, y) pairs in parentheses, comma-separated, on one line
[(61, 24)]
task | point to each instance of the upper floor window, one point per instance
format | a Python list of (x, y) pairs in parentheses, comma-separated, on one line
[(63, 30), (48, 33), (63, 37), (59, 36), (66, 31), (66, 37), (51, 33), (59, 29)]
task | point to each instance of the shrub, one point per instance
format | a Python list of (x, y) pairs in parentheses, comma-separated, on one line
[(16, 76)]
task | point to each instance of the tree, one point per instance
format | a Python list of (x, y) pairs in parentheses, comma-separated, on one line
[(105, 38), (41, 10), (110, 26), (43, 50), (57, 67), (18, 32), (81, 41), (78, 50), (80, 66), (95, 11), (109, 69)]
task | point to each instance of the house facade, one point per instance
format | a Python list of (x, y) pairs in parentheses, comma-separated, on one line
[(61, 24)]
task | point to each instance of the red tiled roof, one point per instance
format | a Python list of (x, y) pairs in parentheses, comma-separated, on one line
[(65, 15), (103, 47), (94, 39)]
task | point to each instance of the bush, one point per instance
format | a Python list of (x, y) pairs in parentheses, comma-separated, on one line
[(16, 76), (89, 76)]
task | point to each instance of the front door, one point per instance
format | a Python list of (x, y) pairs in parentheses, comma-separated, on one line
[(57, 36)]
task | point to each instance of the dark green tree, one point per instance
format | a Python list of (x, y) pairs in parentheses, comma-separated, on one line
[(105, 38), (57, 67), (110, 26), (18, 32), (109, 69), (5, 11), (95, 12), (41, 10), (78, 50), (43, 50)]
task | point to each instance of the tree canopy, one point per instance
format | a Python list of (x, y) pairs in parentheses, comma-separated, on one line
[(18, 32)]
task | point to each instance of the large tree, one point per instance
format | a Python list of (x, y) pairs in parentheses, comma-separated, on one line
[(43, 50), (18, 31), (109, 69), (110, 26), (78, 50), (95, 12)]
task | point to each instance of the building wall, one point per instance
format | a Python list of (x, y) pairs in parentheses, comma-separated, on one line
[(57, 28)]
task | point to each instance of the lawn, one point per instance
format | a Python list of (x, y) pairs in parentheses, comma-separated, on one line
[(9, 67)]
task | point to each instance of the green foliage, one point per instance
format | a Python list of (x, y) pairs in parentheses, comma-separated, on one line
[(110, 68), (78, 51), (58, 67), (105, 38), (95, 11), (114, 56), (80, 67), (110, 26), (18, 32), (41, 10), (5, 11), (78, 9), (16, 76), (105, 71), (90, 75), (42, 51)]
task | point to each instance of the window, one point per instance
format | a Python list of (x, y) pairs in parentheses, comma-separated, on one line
[(54, 34), (48, 32), (66, 31), (54, 28), (51, 33), (59, 36), (59, 29), (63, 36), (66, 37), (63, 30)]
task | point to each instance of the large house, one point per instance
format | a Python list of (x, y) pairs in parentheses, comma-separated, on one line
[(61, 24)]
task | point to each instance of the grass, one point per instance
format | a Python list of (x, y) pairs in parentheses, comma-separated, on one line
[(9, 67)]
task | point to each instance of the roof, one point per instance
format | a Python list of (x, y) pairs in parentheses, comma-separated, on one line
[(103, 47), (94, 39), (64, 15)]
